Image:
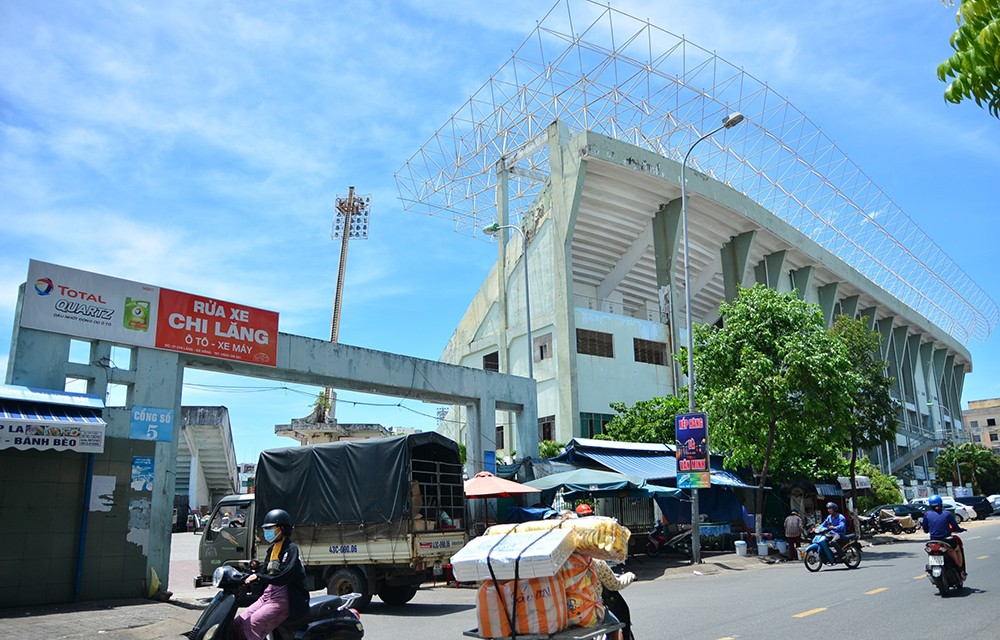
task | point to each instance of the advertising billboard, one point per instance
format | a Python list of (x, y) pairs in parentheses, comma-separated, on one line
[(89, 305)]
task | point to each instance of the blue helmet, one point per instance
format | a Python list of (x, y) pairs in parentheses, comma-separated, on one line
[(935, 501)]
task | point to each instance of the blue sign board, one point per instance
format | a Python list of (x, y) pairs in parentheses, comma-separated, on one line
[(692, 451), (490, 461), (151, 423)]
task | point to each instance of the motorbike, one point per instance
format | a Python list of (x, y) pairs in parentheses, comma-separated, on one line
[(822, 551), (941, 567), (329, 617), (658, 541)]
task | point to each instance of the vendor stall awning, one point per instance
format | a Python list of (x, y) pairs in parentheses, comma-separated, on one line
[(860, 482), (828, 490), (726, 479), (39, 419)]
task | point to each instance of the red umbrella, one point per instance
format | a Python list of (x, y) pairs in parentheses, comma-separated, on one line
[(486, 485)]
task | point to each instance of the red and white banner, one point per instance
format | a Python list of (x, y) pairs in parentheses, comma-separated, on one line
[(209, 327), (90, 305)]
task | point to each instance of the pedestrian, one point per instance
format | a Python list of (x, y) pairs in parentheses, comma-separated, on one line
[(793, 533)]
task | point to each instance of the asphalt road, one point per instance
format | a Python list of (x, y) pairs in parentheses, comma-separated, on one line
[(888, 596)]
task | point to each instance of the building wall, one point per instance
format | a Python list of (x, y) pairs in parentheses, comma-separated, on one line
[(983, 418)]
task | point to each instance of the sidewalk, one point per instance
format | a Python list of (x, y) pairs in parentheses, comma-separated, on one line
[(140, 619), (135, 619)]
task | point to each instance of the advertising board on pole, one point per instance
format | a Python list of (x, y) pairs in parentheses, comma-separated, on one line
[(64, 300), (692, 451)]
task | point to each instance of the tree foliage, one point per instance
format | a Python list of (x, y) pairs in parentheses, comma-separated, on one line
[(974, 68), (650, 421), (870, 420), (549, 449), (968, 462), (773, 382)]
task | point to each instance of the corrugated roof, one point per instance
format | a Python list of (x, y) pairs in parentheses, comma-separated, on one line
[(645, 466), (46, 396)]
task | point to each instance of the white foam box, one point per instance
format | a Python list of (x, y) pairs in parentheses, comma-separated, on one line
[(535, 554)]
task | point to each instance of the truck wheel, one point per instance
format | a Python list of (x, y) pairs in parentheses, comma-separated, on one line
[(397, 595), (344, 581)]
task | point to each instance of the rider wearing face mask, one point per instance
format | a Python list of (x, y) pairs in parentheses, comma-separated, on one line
[(285, 595)]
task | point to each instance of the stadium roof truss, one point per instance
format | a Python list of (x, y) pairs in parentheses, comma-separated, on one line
[(599, 69)]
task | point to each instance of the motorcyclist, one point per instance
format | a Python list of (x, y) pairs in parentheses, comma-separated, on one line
[(285, 596), (940, 524), (835, 525)]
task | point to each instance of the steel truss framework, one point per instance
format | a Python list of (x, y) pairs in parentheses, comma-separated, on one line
[(599, 69)]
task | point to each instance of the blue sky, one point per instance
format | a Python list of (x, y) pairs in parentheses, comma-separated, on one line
[(200, 146)]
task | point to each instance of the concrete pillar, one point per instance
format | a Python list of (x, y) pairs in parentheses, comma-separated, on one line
[(735, 263)]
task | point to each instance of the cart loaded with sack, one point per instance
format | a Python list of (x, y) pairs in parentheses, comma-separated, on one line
[(548, 579)]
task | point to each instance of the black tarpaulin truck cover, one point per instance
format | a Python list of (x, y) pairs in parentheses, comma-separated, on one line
[(350, 482)]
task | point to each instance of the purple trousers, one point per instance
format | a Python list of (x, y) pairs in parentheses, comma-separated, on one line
[(263, 616)]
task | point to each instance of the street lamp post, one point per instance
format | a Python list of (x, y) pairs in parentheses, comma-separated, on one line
[(493, 230), (728, 122)]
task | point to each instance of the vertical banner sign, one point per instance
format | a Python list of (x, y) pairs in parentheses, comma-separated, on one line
[(692, 451), (194, 324), (151, 423), (490, 461)]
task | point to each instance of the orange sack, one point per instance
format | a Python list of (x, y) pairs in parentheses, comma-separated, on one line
[(583, 591), (539, 607)]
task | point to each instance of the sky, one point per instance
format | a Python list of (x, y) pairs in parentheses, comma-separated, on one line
[(201, 147)]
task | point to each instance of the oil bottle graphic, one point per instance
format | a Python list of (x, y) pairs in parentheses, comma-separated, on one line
[(136, 315)]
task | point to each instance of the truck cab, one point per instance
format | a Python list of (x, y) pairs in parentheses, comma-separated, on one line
[(228, 536)]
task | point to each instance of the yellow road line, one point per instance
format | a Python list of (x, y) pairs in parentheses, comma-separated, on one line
[(874, 591), (982, 557), (808, 613), (920, 577)]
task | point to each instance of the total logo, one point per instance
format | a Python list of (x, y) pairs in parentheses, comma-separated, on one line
[(43, 286)]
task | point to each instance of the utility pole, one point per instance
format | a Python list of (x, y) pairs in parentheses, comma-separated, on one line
[(350, 220)]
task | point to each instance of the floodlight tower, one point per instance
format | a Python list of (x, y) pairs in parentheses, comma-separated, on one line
[(350, 220)]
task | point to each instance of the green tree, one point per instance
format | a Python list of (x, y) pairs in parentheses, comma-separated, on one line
[(772, 381), (946, 464), (989, 476), (650, 421), (871, 419), (975, 66), (885, 488), (974, 459)]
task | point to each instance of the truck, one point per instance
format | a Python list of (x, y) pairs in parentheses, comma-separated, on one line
[(375, 517)]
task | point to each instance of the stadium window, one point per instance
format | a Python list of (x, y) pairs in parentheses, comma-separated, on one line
[(491, 361), (547, 428), (994, 437), (649, 351), (542, 347), (498, 443), (991, 422), (595, 343), (592, 424)]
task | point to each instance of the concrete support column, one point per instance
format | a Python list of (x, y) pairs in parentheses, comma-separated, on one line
[(735, 263)]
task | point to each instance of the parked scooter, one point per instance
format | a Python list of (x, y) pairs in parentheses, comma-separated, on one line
[(821, 551), (329, 617), (658, 541), (941, 568)]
